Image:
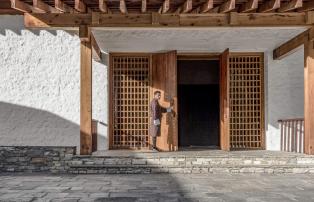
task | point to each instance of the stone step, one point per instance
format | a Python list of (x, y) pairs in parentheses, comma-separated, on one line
[(183, 161), (184, 164), (210, 169)]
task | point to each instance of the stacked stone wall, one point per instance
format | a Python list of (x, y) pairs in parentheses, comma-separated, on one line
[(35, 158)]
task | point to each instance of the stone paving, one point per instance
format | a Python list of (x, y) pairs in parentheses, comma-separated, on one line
[(157, 187)]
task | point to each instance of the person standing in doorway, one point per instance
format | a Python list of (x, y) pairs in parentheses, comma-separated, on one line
[(156, 113)]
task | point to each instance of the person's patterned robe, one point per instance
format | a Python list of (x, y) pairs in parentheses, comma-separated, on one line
[(156, 113)]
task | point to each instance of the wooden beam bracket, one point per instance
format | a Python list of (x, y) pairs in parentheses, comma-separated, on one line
[(84, 33)]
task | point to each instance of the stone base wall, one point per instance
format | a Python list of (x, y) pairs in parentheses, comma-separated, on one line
[(35, 158), (65, 160)]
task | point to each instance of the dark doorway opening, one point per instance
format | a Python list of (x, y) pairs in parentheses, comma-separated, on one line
[(198, 100)]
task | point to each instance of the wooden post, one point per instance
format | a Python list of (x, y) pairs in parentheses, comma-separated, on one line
[(309, 97), (86, 92)]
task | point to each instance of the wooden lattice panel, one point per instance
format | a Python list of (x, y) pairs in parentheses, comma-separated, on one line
[(130, 89), (246, 101)]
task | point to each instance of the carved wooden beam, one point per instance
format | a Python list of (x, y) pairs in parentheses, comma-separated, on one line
[(249, 6), (289, 6), (60, 5), (43, 7), (123, 8), (80, 6), (269, 5), (186, 7)]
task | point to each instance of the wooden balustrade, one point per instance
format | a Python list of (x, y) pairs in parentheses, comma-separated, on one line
[(292, 135)]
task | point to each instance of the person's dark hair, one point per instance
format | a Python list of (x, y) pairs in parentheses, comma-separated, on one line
[(157, 92)]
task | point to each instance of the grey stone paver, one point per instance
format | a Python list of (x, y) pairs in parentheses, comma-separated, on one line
[(157, 187)]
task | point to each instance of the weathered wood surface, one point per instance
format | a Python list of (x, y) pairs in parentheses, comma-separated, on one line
[(164, 79), (86, 96), (39, 20), (308, 97), (291, 46), (224, 101)]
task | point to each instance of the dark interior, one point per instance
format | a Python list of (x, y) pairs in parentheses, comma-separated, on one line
[(198, 96)]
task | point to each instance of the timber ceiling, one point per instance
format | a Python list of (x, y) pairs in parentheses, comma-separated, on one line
[(148, 6)]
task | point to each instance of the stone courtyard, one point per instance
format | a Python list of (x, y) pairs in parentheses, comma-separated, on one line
[(157, 187)]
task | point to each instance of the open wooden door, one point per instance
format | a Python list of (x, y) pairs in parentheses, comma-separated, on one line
[(224, 101), (164, 79)]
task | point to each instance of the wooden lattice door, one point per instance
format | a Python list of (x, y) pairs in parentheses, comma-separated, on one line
[(246, 101), (129, 101)]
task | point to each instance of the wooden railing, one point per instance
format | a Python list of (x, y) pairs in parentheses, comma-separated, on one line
[(292, 135)]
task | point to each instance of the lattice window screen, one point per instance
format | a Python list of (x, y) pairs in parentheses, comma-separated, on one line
[(246, 101), (130, 101)]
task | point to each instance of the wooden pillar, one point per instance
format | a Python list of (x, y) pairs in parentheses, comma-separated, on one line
[(309, 96), (86, 92)]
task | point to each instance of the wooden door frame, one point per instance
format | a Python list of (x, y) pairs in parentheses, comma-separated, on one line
[(182, 56)]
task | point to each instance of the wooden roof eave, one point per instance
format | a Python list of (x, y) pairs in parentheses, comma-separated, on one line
[(44, 20)]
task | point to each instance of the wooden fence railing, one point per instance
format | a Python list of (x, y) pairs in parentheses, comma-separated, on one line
[(292, 135)]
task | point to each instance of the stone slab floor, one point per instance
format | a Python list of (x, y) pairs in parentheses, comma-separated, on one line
[(157, 187)]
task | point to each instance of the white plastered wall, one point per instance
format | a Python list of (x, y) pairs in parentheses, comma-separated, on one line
[(40, 76), (40, 87), (284, 81)]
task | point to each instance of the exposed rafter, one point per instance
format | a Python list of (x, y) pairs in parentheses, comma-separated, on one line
[(289, 6), (80, 6), (186, 7), (249, 6), (103, 6), (165, 7), (206, 6), (61, 6), (144, 6), (21, 6), (269, 6), (122, 7), (43, 7), (226, 7), (307, 6)]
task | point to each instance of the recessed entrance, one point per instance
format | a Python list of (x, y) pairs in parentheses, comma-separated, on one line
[(198, 102)]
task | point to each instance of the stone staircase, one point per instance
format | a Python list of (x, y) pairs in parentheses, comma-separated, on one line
[(192, 162)]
